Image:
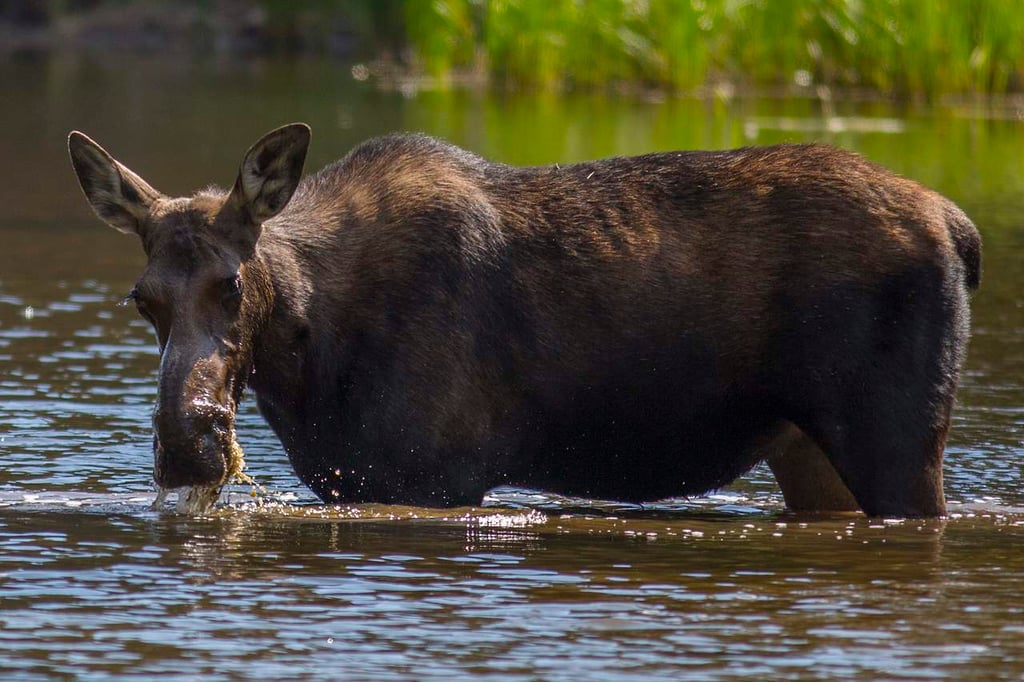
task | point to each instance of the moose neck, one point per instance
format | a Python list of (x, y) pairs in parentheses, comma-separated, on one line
[(277, 342)]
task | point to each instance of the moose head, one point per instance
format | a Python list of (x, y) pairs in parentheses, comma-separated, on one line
[(205, 290)]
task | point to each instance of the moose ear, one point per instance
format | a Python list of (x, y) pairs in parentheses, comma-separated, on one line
[(271, 171), (118, 196)]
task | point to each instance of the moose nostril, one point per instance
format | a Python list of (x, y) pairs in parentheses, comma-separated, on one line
[(192, 443), (201, 460), (210, 442)]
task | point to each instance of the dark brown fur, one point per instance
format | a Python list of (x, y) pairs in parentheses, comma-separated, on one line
[(420, 325)]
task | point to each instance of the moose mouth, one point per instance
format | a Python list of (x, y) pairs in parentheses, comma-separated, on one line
[(198, 471)]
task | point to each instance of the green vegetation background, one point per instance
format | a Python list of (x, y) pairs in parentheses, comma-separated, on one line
[(899, 47)]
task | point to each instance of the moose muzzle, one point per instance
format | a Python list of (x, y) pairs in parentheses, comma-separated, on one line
[(194, 424)]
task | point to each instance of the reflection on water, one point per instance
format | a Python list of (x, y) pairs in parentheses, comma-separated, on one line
[(529, 585), (119, 589)]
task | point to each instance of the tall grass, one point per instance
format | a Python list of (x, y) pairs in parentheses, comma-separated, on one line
[(909, 47), (905, 47)]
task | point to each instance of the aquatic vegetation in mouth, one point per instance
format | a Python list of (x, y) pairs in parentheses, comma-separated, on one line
[(236, 461)]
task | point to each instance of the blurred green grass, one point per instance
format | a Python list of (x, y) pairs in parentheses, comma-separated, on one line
[(901, 47), (908, 48)]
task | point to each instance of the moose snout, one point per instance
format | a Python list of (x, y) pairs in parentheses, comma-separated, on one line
[(191, 447)]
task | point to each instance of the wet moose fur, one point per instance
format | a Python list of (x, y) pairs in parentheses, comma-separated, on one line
[(420, 324)]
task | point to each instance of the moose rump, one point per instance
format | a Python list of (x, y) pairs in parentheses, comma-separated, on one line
[(430, 324)]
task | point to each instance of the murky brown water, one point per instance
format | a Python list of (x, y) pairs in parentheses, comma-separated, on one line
[(94, 584)]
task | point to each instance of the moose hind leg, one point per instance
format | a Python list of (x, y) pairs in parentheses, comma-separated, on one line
[(808, 480), (887, 444), (880, 400)]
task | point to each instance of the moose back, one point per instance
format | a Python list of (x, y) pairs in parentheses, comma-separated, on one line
[(419, 324)]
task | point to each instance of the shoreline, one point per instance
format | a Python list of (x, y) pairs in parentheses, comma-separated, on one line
[(388, 76)]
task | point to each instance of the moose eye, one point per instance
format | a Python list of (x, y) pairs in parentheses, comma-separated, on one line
[(135, 298), (132, 297), (232, 287)]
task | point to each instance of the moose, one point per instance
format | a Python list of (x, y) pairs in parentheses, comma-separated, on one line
[(420, 325)]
